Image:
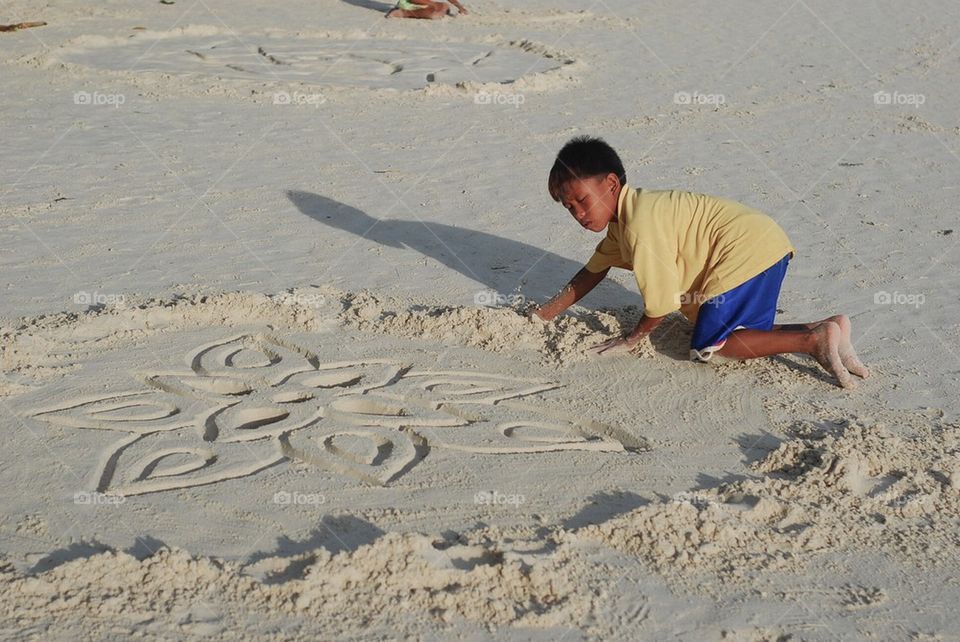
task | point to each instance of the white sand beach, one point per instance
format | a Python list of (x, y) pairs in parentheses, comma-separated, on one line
[(266, 373)]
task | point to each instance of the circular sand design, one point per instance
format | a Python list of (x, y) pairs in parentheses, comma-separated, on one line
[(240, 402), (350, 62)]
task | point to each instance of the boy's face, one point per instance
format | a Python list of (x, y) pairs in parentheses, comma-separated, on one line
[(592, 201)]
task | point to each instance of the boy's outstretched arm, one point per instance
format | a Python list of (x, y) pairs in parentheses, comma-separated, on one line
[(578, 287)]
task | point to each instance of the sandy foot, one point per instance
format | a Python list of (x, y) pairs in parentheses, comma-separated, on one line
[(848, 356), (827, 352)]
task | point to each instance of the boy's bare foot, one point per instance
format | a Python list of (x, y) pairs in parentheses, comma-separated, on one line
[(847, 354), (828, 337)]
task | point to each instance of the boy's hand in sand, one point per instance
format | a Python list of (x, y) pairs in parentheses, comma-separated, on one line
[(620, 345), (617, 345), (581, 283), (533, 315)]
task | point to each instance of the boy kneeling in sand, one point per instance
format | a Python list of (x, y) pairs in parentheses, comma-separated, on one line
[(719, 262)]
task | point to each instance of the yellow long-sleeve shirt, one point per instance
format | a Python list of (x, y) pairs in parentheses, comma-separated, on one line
[(685, 248)]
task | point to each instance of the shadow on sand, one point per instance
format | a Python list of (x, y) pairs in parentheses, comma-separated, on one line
[(499, 264)]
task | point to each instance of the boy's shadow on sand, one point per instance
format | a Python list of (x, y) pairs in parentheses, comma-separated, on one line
[(499, 264)]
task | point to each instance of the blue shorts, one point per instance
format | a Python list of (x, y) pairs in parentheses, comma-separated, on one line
[(751, 305)]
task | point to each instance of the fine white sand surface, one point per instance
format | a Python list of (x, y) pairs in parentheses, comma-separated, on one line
[(266, 369)]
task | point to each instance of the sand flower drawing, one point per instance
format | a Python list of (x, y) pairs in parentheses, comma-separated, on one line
[(253, 401)]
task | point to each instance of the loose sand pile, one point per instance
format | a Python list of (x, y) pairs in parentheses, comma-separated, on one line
[(563, 340), (492, 582), (857, 486)]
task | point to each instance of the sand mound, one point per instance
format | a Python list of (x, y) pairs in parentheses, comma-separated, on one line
[(486, 581), (494, 329), (857, 486), (478, 581), (50, 345)]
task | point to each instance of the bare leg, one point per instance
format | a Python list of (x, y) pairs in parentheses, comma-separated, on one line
[(821, 342), (463, 10), (440, 9), (847, 354), (434, 11)]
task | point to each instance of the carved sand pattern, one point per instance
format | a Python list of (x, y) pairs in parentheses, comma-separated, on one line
[(329, 60), (252, 401)]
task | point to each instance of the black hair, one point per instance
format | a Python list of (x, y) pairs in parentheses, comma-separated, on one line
[(583, 157)]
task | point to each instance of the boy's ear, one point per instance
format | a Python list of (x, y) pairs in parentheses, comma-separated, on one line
[(612, 182)]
